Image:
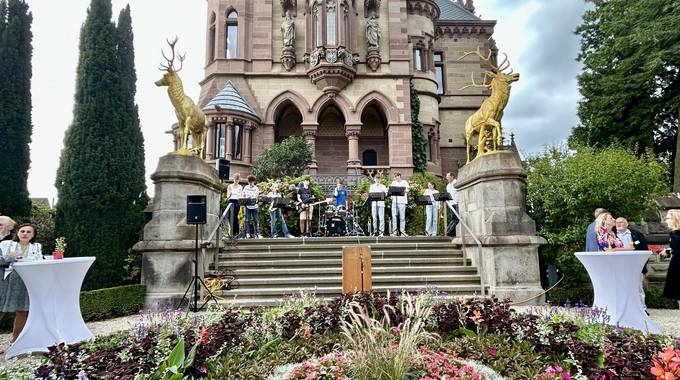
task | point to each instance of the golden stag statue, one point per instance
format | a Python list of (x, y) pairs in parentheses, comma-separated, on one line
[(490, 112), (191, 119)]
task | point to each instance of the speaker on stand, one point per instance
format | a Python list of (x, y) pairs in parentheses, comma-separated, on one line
[(197, 214)]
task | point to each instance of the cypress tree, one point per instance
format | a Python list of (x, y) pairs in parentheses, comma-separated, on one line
[(15, 106), (101, 174)]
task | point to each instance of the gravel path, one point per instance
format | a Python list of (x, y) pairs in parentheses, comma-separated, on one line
[(667, 320)]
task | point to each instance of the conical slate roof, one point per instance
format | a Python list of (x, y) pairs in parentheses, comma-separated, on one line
[(453, 11), (230, 99)]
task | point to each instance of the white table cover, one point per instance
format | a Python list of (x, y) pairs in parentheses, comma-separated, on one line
[(616, 282), (54, 312)]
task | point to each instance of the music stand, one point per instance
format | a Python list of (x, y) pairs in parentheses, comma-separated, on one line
[(442, 197), (424, 200), (396, 191)]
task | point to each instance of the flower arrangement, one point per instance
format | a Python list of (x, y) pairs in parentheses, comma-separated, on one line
[(667, 364), (60, 244), (445, 365)]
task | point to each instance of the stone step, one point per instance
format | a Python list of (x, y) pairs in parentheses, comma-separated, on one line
[(383, 280), (334, 291), (277, 301), (337, 262), (347, 240), (332, 253), (296, 244), (439, 269)]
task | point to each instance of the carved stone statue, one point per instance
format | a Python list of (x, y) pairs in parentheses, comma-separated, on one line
[(373, 32), (288, 30)]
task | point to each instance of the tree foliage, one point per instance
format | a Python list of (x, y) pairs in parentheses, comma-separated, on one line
[(289, 158), (101, 173), (418, 141), (565, 187), (15, 106), (631, 79)]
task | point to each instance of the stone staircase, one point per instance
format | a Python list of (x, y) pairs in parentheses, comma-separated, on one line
[(268, 270)]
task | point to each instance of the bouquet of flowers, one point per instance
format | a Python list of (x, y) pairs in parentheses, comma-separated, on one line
[(59, 248)]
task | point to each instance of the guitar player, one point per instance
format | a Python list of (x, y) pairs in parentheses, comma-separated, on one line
[(306, 210)]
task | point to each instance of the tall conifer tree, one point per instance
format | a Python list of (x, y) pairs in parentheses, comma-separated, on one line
[(101, 173), (15, 106)]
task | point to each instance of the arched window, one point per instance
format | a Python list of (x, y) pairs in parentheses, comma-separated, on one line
[(369, 158), (212, 37), (232, 34), (220, 130), (237, 142)]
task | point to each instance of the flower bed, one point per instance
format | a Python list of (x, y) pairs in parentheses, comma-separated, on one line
[(352, 336)]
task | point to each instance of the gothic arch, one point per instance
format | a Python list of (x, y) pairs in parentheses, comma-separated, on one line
[(286, 97), (384, 104), (340, 102)]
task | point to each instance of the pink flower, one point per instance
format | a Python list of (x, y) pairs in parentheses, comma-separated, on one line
[(395, 330), (492, 351), (203, 370), (566, 376)]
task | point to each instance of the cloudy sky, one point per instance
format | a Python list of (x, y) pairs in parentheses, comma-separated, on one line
[(537, 35)]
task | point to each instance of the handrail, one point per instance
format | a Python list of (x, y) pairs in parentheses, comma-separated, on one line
[(479, 248), (208, 242)]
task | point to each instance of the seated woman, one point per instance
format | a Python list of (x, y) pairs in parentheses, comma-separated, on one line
[(13, 293), (6, 227)]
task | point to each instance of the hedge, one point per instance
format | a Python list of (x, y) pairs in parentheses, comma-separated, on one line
[(102, 304)]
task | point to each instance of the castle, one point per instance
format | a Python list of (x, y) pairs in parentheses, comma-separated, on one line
[(339, 73)]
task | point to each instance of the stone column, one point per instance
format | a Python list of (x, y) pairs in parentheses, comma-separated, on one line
[(229, 153), (247, 149), (168, 246), (210, 149), (353, 131), (309, 132), (492, 203)]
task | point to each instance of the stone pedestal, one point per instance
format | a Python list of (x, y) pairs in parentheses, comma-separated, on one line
[(168, 246), (492, 203)]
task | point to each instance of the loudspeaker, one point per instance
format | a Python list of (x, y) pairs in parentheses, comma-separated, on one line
[(197, 212), (223, 168)]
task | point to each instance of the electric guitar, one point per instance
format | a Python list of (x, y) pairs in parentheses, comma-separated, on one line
[(301, 206)]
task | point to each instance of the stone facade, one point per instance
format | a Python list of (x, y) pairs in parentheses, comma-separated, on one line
[(323, 87)]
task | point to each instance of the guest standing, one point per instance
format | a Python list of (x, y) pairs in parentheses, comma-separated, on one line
[(431, 211), (672, 287), (234, 193), (6, 227), (13, 292), (591, 232)]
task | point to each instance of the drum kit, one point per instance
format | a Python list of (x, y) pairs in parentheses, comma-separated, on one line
[(340, 221)]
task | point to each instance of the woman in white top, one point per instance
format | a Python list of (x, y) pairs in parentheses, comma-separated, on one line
[(252, 211), (431, 211), (234, 193), (13, 293)]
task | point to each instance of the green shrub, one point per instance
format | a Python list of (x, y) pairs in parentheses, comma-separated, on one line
[(655, 300), (111, 302), (559, 296)]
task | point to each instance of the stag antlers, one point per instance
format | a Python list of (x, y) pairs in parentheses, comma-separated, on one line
[(169, 66), (505, 64)]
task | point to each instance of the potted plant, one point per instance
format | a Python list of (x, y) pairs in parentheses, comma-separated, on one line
[(59, 248)]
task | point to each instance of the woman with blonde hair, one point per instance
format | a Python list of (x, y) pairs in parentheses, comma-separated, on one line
[(672, 287), (604, 231)]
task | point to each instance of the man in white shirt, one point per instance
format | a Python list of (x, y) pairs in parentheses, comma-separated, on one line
[(378, 207), (252, 211), (451, 189), (399, 206)]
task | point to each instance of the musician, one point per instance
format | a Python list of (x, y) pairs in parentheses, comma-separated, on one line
[(252, 192), (399, 206), (276, 213), (431, 211), (378, 207), (340, 194), (451, 189), (306, 211), (234, 193)]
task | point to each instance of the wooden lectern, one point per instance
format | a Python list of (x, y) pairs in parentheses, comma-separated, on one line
[(356, 269)]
